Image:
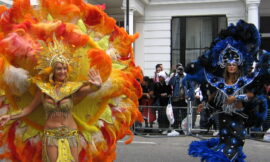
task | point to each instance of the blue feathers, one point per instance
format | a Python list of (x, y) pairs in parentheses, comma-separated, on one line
[(257, 110), (264, 63), (206, 150), (239, 44), (262, 112), (244, 37)]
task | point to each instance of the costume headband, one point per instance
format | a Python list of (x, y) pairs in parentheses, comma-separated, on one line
[(230, 55)]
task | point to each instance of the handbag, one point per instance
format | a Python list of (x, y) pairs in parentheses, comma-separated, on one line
[(169, 112)]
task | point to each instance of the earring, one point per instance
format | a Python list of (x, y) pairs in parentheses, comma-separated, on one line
[(51, 78)]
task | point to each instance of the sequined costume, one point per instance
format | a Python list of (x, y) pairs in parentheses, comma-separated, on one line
[(82, 36), (62, 137), (232, 46)]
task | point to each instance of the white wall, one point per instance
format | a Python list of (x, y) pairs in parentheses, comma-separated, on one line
[(10, 2), (156, 33)]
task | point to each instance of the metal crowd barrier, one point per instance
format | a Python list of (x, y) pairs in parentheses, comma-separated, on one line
[(191, 129), (141, 128)]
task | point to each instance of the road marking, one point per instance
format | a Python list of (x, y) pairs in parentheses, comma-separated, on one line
[(138, 142)]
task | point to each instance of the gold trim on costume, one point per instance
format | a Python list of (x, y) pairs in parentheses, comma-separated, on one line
[(61, 132), (63, 138), (67, 89), (54, 52), (15, 113), (64, 153), (2, 92)]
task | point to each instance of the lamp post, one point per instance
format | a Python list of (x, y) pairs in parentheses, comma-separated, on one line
[(127, 16)]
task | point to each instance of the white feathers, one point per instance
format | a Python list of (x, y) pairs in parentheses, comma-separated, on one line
[(113, 53), (16, 79), (100, 123), (3, 110), (98, 137)]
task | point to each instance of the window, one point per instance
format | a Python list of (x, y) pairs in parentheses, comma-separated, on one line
[(191, 36), (265, 32), (120, 23)]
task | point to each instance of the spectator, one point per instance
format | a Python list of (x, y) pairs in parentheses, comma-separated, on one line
[(174, 70), (198, 105), (162, 93), (161, 67), (178, 99), (266, 124), (148, 113), (158, 69)]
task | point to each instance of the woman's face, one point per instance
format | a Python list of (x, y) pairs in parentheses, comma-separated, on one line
[(161, 79), (158, 70), (60, 72), (232, 68)]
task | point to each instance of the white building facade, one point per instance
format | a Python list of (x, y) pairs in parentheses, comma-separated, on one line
[(173, 31)]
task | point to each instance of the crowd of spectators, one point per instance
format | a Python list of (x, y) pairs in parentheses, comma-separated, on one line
[(163, 88)]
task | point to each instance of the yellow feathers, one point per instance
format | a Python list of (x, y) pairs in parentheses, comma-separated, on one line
[(92, 40)]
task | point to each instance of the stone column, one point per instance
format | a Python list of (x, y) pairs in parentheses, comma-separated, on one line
[(253, 11)]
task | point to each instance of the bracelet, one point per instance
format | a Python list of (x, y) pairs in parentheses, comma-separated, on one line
[(242, 97), (92, 86), (95, 87)]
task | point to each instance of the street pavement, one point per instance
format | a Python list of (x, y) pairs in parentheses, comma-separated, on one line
[(174, 149)]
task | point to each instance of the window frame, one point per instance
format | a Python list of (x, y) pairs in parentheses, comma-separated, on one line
[(183, 21), (263, 26)]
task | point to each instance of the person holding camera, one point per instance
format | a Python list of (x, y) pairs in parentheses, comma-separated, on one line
[(178, 98)]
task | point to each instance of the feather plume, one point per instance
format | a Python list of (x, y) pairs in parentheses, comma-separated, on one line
[(203, 149), (16, 79), (95, 41)]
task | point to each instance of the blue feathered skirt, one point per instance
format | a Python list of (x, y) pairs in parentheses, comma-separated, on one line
[(211, 151), (228, 147)]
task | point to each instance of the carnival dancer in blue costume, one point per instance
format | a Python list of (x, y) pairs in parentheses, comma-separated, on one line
[(226, 67)]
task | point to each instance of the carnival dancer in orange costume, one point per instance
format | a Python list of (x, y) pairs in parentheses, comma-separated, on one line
[(68, 74)]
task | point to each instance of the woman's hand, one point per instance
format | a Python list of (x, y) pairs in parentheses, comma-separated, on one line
[(200, 107), (4, 119), (94, 77), (163, 94), (93, 84)]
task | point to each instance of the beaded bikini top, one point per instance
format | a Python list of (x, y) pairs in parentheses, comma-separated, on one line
[(62, 100), (60, 108)]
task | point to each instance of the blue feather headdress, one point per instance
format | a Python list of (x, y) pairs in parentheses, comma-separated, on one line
[(238, 42)]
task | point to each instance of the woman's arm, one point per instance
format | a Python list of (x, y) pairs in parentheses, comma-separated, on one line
[(94, 83), (240, 98), (27, 110), (147, 95)]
